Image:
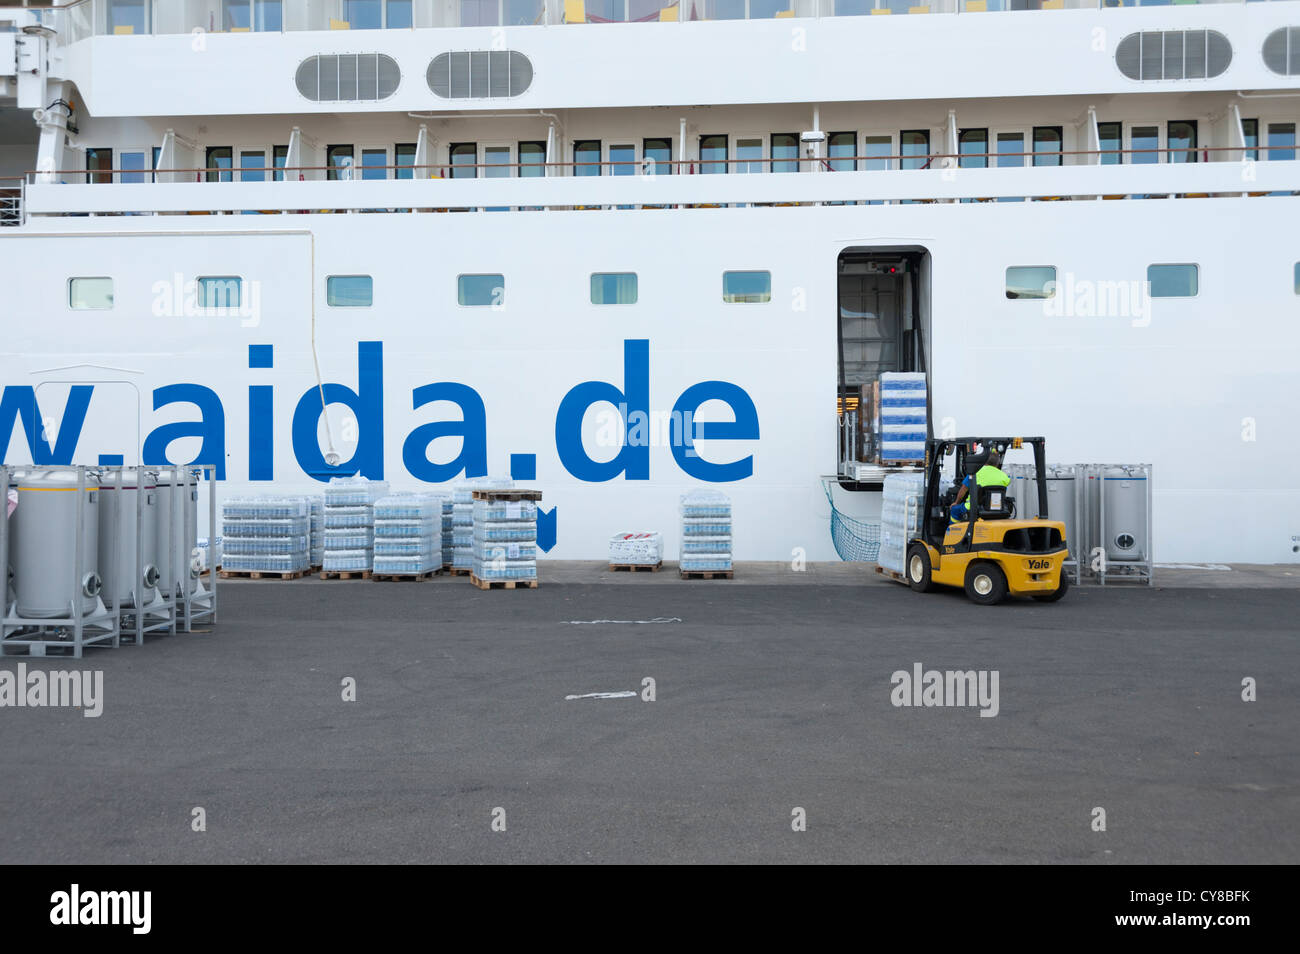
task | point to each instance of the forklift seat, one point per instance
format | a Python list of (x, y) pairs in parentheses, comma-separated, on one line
[(995, 504)]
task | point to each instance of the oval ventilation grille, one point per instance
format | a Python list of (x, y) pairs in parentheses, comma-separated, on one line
[(1282, 51), (348, 77), (480, 74), (1173, 55)]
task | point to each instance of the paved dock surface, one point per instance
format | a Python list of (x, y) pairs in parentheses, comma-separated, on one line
[(768, 698)]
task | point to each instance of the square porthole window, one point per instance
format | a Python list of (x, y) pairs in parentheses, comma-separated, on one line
[(613, 288), (1031, 281), (349, 291), (220, 291), (1174, 281), (90, 294), (746, 287), (481, 290)]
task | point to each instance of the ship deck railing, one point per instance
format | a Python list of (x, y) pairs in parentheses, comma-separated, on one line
[(82, 19), (1073, 175)]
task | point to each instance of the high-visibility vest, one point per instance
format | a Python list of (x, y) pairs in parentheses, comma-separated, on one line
[(990, 476)]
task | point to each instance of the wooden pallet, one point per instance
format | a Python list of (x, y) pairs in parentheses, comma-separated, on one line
[(891, 574), (399, 577), (460, 571), (508, 494), (637, 567), (345, 574), (503, 584), (263, 574), (707, 574)]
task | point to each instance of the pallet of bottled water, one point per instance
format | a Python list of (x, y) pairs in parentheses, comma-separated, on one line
[(348, 525), (706, 533), (407, 535), (448, 528), (901, 510), (265, 534), (462, 518), (636, 548), (316, 537), (504, 537)]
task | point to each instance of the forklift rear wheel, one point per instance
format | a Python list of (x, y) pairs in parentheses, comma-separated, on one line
[(986, 584), (1062, 588), (918, 569)]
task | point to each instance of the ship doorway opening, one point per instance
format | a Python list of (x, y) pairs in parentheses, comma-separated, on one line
[(883, 324)]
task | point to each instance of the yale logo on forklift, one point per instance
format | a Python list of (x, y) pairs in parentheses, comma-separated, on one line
[(1039, 564)]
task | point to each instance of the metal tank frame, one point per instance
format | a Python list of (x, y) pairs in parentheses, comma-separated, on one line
[(200, 603), (1141, 572), (36, 637), (155, 617)]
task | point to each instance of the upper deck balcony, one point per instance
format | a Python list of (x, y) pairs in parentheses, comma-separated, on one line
[(80, 19)]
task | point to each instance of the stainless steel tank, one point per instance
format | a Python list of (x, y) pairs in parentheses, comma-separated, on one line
[(1124, 533), (177, 531), (45, 558), (117, 536), (1062, 487)]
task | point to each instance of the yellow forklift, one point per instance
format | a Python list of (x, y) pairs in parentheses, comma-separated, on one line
[(991, 553)]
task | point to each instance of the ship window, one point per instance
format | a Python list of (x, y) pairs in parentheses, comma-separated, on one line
[(377, 14), (90, 294), (1031, 281), (876, 151), (746, 287), (1281, 140), (613, 288), (350, 291), (532, 159), (1181, 136), (657, 157), (586, 157), (220, 160), (339, 159), (785, 152), (1110, 140), (479, 74), (1047, 145), (279, 158), (348, 77), (99, 165), (404, 159), (260, 16), (128, 16), (481, 290), (1282, 51), (713, 154), (914, 146), (1173, 55), (841, 148), (220, 291), (464, 158), (1250, 137), (972, 145), (1173, 281)]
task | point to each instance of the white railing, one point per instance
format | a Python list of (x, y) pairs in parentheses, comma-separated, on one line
[(11, 201), (80, 19), (1180, 180)]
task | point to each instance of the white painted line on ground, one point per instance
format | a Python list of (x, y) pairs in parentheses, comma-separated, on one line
[(1192, 566), (623, 694), (637, 622)]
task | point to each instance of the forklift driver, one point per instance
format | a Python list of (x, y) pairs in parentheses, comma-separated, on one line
[(990, 475)]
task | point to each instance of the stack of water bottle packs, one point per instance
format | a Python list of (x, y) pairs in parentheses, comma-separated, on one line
[(901, 507), (317, 536), (408, 535), (505, 535), (636, 548), (265, 534), (706, 532), (349, 521), (902, 422), (448, 532), (462, 518)]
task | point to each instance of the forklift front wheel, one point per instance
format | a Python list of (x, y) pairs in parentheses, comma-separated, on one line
[(918, 569), (986, 584)]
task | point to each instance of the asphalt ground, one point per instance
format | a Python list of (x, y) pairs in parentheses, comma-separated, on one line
[(768, 699)]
